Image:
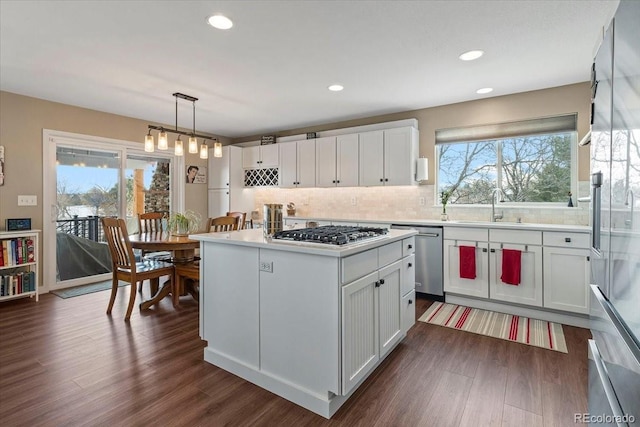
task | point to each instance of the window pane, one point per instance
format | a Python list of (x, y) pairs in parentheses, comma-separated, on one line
[(468, 171), (537, 168)]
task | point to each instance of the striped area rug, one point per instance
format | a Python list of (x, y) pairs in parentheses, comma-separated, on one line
[(539, 333)]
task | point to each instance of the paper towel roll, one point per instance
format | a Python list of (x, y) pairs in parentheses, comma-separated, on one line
[(422, 169)]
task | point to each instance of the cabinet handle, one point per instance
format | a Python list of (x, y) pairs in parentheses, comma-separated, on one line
[(493, 251), (338, 181), (484, 249), (588, 258), (409, 246), (382, 281), (381, 180), (334, 181), (567, 239), (410, 265), (227, 184), (377, 283), (410, 302), (386, 179)]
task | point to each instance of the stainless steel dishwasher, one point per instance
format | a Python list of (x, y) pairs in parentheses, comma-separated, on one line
[(429, 273)]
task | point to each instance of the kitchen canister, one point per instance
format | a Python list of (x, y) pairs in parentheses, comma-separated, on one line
[(271, 219)]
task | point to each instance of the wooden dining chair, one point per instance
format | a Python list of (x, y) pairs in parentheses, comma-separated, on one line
[(222, 223), (124, 265), (241, 218), (186, 279), (149, 222)]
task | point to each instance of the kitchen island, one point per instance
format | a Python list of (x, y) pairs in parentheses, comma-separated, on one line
[(306, 321)]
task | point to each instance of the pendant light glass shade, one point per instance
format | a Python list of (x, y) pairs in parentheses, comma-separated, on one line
[(162, 141), (148, 143), (193, 145), (217, 149), (204, 151), (178, 147)]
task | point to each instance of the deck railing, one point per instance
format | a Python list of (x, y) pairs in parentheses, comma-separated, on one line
[(89, 227)]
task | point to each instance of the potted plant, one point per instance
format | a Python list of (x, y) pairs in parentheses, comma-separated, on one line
[(181, 224), (444, 199)]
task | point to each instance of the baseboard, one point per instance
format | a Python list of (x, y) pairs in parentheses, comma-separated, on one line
[(578, 320)]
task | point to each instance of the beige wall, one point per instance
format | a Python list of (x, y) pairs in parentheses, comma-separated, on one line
[(575, 98), (22, 120)]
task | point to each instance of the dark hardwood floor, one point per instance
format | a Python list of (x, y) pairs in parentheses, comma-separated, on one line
[(66, 363)]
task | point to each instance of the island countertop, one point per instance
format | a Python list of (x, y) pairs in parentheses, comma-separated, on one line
[(255, 238)]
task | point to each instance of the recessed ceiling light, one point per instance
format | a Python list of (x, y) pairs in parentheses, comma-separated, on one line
[(485, 90), (471, 55), (220, 22), (336, 88)]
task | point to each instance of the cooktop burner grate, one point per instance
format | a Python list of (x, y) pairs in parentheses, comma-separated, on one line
[(331, 234)]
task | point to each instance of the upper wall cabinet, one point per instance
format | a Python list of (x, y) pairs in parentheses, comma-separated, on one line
[(388, 157), (337, 161), (260, 156), (226, 171), (298, 164)]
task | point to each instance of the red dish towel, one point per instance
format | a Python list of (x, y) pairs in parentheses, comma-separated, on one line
[(467, 262), (511, 266)]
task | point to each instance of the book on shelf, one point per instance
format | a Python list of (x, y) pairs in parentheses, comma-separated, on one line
[(19, 257), (31, 256), (1, 257)]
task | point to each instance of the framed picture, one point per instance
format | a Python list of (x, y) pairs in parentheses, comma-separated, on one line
[(196, 174)]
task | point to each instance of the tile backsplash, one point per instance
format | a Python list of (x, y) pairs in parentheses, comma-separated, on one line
[(410, 202)]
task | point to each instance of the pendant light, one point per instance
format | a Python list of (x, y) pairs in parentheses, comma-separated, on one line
[(179, 146), (148, 143)]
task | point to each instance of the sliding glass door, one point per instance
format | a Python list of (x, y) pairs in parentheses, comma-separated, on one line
[(89, 178)]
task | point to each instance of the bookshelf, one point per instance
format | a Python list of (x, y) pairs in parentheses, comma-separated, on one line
[(18, 264)]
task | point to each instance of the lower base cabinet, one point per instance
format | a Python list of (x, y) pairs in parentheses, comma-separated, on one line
[(566, 279), (529, 290), (408, 311), (371, 322)]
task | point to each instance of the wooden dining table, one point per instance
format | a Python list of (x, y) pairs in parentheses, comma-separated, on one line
[(182, 250)]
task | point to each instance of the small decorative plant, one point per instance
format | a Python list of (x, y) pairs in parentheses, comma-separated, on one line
[(181, 224), (444, 199)]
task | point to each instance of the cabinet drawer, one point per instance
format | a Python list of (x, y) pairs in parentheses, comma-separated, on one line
[(389, 253), (408, 311), (522, 237), (408, 274), (408, 246), (565, 240), (359, 265), (464, 233)]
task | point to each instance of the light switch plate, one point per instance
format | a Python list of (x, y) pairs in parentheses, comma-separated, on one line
[(27, 200)]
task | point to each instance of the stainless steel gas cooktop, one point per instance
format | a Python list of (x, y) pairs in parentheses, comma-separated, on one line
[(331, 234)]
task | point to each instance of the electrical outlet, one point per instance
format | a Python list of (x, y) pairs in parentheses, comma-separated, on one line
[(354, 200), (27, 200), (422, 201), (266, 266)]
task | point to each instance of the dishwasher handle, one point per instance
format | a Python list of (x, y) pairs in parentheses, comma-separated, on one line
[(429, 234)]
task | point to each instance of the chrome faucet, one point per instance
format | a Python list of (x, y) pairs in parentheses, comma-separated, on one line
[(629, 196), (494, 216)]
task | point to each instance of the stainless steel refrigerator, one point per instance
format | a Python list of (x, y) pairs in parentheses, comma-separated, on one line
[(614, 351)]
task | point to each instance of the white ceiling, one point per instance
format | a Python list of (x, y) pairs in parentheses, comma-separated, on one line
[(270, 72)]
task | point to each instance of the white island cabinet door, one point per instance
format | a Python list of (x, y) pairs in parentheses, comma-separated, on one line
[(230, 313), (389, 306), (359, 330)]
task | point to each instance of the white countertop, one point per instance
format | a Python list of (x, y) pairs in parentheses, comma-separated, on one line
[(468, 224), (255, 238)]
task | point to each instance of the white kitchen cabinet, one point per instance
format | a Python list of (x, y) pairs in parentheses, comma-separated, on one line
[(408, 274), (453, 239), (360, 335), (408, 311), (389, 320), (388, 157), (566, 271), (226, 183), (260, 156), (529, 291), (337, 161), (298, 164), (218, 202)]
